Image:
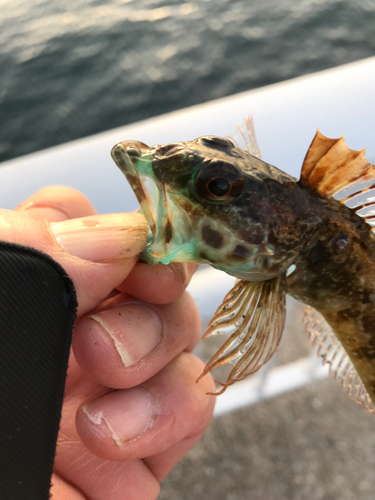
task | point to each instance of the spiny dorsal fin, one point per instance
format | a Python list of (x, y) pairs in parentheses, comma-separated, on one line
[(317, 150), (331, 167), (253, 315), (331, 351), (248, 136)]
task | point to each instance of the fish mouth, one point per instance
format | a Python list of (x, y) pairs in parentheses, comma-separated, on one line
[(135, 160)]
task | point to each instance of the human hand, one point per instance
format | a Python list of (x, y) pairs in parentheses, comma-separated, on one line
[(132, 408)]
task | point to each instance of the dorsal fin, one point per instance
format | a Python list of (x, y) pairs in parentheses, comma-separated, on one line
[(248, 136), (318, 148), (332, 352), (331, 168)]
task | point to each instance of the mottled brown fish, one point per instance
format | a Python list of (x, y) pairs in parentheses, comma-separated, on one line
[(209, 201)]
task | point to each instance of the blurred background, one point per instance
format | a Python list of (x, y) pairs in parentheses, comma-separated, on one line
[(73, 68)]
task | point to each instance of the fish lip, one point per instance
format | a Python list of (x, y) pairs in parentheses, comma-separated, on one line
[(134, 159)]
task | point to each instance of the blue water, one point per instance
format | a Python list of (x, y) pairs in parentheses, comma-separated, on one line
[(71, 68)]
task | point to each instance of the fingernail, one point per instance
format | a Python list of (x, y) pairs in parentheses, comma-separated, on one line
[(127, 414), (135, 329), (36, 209), (101, 238)]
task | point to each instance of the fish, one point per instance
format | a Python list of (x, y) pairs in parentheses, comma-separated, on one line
[(209, 201)]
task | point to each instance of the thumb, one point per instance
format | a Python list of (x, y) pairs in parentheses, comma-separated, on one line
[(97, 252)]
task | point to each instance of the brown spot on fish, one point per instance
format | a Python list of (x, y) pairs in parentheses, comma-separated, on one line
[(211, 237), (203, 255), (254, 238), (345, 314), (240, 253), (167, 231), (318, 253)]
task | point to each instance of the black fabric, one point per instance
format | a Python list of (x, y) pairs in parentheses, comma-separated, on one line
[(37, 312)]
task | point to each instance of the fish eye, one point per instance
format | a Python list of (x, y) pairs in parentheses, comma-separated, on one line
[(219, 187), (219, 181)]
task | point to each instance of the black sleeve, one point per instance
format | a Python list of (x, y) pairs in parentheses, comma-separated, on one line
[(37, 312)]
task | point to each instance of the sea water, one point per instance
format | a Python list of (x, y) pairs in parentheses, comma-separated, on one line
[(72, 68)]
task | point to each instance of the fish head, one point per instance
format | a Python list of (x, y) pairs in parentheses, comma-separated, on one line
[(208, 201)]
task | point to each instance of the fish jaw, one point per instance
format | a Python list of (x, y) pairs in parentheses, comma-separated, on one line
[(169, 238)]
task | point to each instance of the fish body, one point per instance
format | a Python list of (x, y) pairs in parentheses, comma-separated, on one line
[(209, 201), (335, 274)]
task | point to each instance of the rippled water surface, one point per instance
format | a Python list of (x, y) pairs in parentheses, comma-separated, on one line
[(75, 67)]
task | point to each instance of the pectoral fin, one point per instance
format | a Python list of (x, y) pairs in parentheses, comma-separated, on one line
[(253, 315)]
